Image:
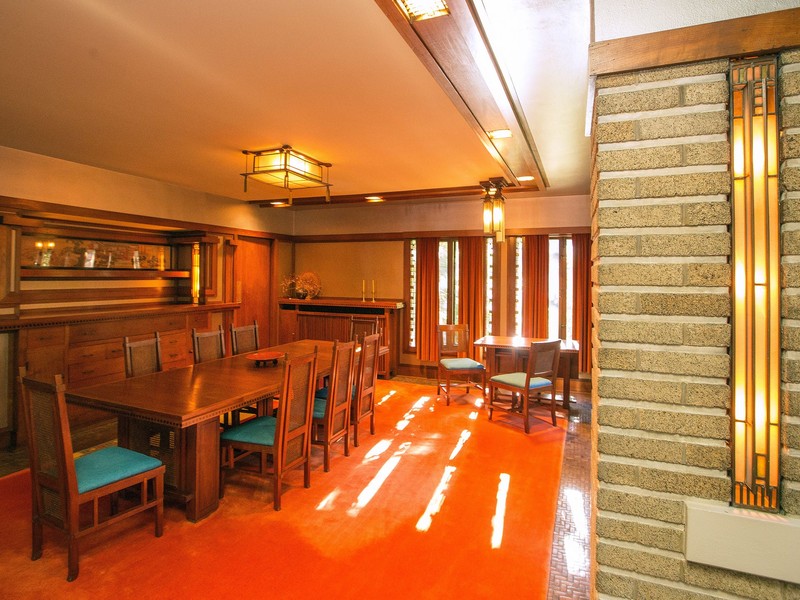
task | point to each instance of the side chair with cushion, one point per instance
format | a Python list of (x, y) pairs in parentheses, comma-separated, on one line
[(331, 421), (539, 377), (286, 439), (363, 404), (142, 357), (454, 361), (208, 345), (244, 338), (64, 486)]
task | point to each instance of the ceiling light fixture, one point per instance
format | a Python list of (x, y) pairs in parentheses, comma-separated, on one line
[(525, 178), (286, 168), (494, 208), (373, 198), (499, 134), (419, 10)]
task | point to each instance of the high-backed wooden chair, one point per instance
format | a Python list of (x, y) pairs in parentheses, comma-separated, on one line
[(142, 357), (539, 376), (363, 405), (63, 485), (361, 326), (454, 361), (208, 345), (286, 439), (244, 338), (331, 419)]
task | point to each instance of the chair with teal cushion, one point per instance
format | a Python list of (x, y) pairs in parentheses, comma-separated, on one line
[(454, 361), (363, 404), (285, 438), (331, 419), (539, 376), (62, 485)]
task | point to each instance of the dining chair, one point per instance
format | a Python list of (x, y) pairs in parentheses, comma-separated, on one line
[(331, 418), (62, 485), (363, 404), (539, 376), (454, 361), (285, 438), (244, 338), (360, 327), (142, 357), (208, 345)]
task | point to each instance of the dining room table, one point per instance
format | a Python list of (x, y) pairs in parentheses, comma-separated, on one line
[(175, 414), (517, 348)]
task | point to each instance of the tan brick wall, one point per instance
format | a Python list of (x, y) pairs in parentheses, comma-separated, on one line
[(661, 323)]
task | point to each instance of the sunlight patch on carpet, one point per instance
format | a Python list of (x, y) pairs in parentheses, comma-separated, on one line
[(368, 493), (375, 452), (436, 501), (499, 518), (462, 439)]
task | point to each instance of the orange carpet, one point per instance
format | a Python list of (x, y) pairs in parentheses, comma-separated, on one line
[(372, 527)]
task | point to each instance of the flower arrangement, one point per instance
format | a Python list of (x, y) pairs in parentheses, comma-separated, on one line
[(304, 285)]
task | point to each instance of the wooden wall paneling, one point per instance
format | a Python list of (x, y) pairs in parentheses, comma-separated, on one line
[(253, 263)]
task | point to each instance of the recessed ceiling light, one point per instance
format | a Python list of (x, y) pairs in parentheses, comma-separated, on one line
[(525, 178), (498, 134), (373, 199), (419, 10)]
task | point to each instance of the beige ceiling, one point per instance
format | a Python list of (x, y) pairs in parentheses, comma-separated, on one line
[(174, 91)]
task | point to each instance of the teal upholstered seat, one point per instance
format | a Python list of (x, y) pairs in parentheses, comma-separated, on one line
[(319, 406), (260, 430), (110, 464), (518, 380), (461, 364)]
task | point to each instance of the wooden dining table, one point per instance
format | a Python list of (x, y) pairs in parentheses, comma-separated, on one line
[(174, 415), (518, 347)]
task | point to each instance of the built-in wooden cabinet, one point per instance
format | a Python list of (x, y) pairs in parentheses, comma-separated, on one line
[(88, 349), (329, 319)]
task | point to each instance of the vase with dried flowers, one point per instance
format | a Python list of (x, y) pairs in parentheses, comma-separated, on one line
[(303, 285)]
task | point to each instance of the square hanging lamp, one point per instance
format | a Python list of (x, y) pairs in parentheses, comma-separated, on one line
[(286, 168)]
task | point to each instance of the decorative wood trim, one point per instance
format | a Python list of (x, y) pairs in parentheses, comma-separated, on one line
[(407, 235), (89, 295), (758, 34), (66, 273)]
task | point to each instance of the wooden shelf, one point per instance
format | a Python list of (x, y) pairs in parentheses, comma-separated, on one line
[(83, 273)]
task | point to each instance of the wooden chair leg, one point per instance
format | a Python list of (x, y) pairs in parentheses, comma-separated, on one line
[(347, 442), (525, 407), (276, 486), (36, 538), (72, 556), (326, 457), (307, 473), (159, 492)]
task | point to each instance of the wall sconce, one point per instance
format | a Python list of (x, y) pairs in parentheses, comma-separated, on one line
[(196, 273), (286, 168), (756, 285), (494, 208)]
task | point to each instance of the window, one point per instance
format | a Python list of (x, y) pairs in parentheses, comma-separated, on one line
[(559, 310), (448, 281)]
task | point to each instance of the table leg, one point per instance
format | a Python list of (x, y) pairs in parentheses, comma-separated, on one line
[(201, 461)]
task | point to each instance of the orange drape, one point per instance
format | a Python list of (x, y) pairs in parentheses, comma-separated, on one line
[(535, 266), (472, 286), (582, 298), (427, 297)]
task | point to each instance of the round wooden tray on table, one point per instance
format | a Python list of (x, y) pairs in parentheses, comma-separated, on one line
[(262, 357)]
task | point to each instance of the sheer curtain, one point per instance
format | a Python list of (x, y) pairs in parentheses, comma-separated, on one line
[(472, 286), (535, 297), (582, 299), (427, 297)]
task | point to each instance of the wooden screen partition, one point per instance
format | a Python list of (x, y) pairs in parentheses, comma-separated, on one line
[(329, 319)]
